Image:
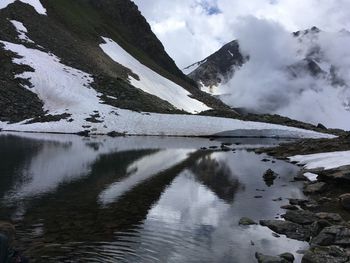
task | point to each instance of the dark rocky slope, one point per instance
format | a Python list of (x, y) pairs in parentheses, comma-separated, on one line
[(218, 67), (72, 31)]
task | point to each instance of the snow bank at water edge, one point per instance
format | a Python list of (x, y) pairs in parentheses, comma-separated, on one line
[(34, 3), (326, 161), (134, 123), (151, 82)]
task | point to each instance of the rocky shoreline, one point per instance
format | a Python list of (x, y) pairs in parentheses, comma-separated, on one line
[(323, 218)]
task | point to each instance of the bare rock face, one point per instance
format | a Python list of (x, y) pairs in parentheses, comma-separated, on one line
[(219, 66)]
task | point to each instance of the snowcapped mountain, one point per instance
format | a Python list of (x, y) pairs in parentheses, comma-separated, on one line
[(96, 66), (304, 76)]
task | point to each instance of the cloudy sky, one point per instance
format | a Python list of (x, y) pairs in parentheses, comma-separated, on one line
[(192, 29)]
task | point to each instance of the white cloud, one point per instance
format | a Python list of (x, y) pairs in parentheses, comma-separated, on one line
[(190, 31), (264, 84)]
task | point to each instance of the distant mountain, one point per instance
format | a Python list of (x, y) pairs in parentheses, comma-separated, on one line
[(217, 68)]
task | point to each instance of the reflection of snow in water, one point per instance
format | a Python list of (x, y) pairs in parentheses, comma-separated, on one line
[(143, 169), (64, 158)]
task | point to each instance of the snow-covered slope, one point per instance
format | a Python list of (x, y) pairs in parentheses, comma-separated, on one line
[(60, 87), (151, 81)]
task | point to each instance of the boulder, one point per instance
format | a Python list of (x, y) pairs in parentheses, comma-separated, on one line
[(269, 175), (290, 229), (315, 188), (245, 221), (330, 217), (333, 235), (287, 256), (283, 258), (300, 217), (290, 207), (345, 201), (331, 254)]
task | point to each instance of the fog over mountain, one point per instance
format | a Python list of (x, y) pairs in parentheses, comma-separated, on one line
[(275, 80)]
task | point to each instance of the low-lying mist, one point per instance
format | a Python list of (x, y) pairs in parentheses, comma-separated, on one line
[(276, 79)]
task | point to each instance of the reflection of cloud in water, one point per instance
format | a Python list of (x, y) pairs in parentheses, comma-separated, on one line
[(208, 228), (143, 169), (187, 202), (53, 165)]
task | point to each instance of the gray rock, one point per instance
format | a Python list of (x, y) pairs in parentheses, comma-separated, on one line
[(345, 201), (287, 256), (331, 254), (271, 259), (269, 175), (331, 217), (290, 207), (318, 226), (333, 235), (290, 229), (340, 174), (245, 221), (315, 188), (301, 217), (299, 202)]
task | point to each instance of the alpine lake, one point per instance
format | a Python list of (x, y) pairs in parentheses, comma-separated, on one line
[(143, 199)]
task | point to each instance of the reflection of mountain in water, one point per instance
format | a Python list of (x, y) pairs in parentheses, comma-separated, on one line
[(167, 199), (217, 176)]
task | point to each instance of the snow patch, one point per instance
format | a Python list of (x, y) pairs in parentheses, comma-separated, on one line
[(326, 161), (151, 82), (34, 3), (311, 177), (60, 87), (21, 30)]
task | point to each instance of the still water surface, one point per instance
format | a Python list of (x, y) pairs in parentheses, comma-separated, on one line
[(141, 199)]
